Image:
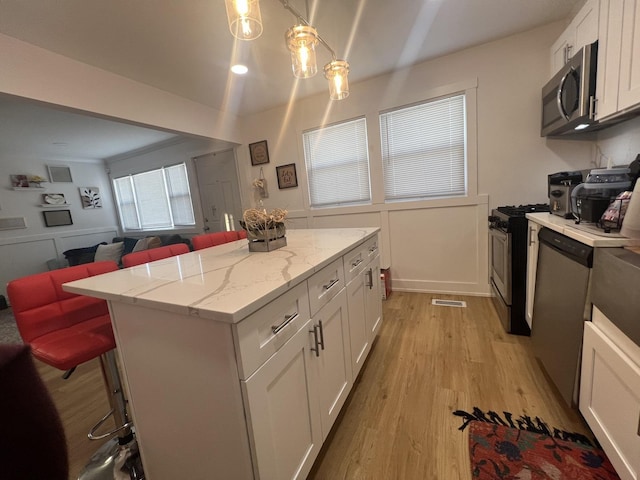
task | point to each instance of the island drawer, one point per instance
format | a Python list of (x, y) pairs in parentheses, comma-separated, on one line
[(354, 262), (325, 284), (264, 332)]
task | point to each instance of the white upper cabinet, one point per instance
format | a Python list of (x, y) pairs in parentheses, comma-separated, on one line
[(582, 31), (629, 94), (618, 82)]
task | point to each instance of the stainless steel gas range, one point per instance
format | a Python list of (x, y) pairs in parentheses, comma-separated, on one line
[(508, 243)]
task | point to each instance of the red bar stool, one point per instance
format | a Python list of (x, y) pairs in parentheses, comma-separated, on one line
[(64, 330), (153, 254), (207, 240)]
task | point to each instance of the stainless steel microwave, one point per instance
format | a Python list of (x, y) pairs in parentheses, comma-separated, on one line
[(568, 99)]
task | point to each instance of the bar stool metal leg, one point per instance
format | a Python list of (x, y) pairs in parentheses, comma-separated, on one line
[(119, 457)]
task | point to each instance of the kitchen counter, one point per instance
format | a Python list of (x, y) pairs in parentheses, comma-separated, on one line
[(226, 282), (586, 233), (221, 349)]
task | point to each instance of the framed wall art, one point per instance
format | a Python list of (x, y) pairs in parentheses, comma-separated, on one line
[(59, 173), (53, 199), (287, 177), (90, 197), (19, 181), (57, 218), (259, 152)]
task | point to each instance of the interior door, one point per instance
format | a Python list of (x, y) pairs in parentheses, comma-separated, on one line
[(219, 191)]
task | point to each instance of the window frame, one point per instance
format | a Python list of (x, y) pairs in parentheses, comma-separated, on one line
[(427, 196), (130, 176), (308, 196)]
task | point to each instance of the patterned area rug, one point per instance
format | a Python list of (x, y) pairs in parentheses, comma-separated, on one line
[(8, 328), (500, 452)]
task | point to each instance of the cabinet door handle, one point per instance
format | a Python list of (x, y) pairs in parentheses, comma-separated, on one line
[(639, 425), (356, 263), (287, 320), (369, 275), (531, 237), (315, 340), (321, 334), (331, 284)]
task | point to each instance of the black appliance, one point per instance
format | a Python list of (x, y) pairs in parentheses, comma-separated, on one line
[(568, 99), (508, 229)]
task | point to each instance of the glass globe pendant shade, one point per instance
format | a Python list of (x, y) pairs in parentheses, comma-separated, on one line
[(301, 41), (337, 73), (245, 20)]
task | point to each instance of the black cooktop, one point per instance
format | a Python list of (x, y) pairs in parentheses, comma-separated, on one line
[(521, 210)]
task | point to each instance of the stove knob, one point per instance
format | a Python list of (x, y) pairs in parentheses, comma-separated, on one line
[(503, 224), (493, 218)]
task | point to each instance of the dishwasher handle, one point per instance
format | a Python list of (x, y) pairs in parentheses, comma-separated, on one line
[(570, 248)]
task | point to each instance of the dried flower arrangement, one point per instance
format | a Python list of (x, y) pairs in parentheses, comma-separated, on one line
[(261, 225)]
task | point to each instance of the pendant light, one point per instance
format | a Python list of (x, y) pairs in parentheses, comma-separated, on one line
[(245, 20), (301, 41), (245, 23), (337, 73)]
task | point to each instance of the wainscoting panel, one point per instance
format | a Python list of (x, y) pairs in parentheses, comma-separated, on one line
[(26, 258), (21, 256)]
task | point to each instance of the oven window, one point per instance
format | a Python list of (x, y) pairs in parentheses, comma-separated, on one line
[(498, 255)]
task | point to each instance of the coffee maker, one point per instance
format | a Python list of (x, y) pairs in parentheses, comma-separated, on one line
[(560, 186)]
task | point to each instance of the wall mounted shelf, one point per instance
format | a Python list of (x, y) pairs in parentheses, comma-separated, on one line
[(53, 205), (40, 189)]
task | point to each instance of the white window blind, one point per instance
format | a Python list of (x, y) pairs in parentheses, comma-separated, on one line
[(337, 160), (424, 150), (157, 199)]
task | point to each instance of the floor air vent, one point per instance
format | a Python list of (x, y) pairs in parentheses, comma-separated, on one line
[(449, 303)]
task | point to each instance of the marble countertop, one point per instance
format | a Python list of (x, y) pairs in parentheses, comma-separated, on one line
[(586, 233), (226, 282)]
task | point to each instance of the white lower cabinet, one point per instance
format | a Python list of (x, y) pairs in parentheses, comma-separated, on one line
[(365, 312), (532, 267), (358, 331), (373, 305), (610, 393), (283, 411), (293, 399), (332, 358)]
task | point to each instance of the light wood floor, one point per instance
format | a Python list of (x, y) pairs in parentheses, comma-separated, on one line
[(397, 424)]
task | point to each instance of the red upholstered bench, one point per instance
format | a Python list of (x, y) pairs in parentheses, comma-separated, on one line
[(146, 256)]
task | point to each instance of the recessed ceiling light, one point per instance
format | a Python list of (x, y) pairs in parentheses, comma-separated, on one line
[(239, 69)]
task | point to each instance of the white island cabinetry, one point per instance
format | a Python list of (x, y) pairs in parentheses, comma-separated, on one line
[(237, 363), (610, 393)]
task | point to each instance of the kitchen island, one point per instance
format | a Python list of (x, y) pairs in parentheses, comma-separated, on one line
[(237, 363)]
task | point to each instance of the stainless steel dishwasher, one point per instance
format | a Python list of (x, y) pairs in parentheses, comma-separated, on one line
[(560, 308)]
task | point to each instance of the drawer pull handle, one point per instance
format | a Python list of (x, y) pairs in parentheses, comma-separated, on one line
[(287, 320), (315, 340), (373, 249), (331, 284), (356, 263)]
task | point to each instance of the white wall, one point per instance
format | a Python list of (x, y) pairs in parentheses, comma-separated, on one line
[(620, 143), (26, 251), (33, 72), (173, 152), (439, 245)]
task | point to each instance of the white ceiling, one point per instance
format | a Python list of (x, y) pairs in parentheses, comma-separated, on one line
[(184, 46)]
